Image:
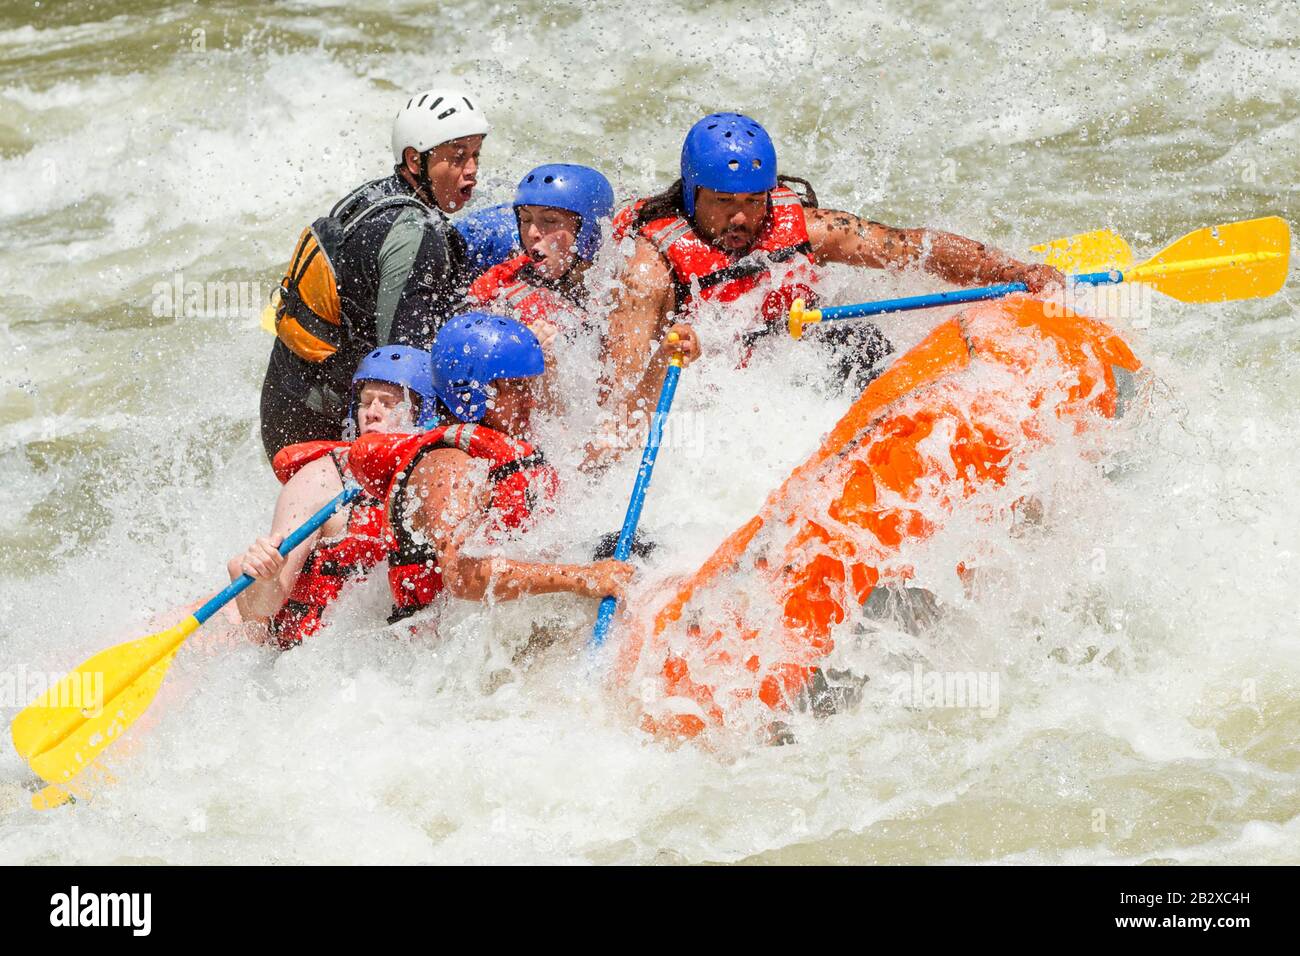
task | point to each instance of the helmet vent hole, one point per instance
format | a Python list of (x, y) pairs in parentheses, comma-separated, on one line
[(422, 99), (713, 126), (727, 134), (757, 163), (530, 178), (733, 165), (549, 179), (467, 102), (750, 132), (445, 113), (433, 105)]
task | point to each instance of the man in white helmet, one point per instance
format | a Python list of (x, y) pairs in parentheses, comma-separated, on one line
[(385, 266)]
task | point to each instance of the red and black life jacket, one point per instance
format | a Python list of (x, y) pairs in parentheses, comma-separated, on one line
[(512, 284), (332, 563), (382, 464), (781, 254)]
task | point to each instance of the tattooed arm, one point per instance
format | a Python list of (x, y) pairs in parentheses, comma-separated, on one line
[(843, 237)]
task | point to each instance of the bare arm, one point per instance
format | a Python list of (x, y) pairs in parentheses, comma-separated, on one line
[(506, 580), (845, 238), (302, 496), (638, 328), (549, 398), (639, 318), (449, 497)]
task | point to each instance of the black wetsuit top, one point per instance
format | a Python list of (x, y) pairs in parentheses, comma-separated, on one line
[(401, 274)]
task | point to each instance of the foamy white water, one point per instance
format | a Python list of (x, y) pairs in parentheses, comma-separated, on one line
[(1144, 633)]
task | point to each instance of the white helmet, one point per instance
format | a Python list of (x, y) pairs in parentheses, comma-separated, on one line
[(433, 118)]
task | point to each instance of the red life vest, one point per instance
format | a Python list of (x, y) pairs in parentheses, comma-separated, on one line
[(521, 481), (508, 283), (624, 220), (332, 563), (781, 252), (291, 459)]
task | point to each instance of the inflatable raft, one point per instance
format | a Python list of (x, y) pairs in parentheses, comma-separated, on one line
[(743, 636)]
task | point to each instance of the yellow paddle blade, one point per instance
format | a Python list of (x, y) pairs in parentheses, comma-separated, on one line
[(1097, 251), (92, 706), (92, 780), (1236, 260), (268, 318), (51, 797)]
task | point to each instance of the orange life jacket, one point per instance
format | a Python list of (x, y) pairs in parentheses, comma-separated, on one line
[(332, 563), (782, 252), (382, 464), (507, 283), (307, 308)]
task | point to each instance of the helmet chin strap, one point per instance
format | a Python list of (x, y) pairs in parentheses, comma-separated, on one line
[(420, 180)]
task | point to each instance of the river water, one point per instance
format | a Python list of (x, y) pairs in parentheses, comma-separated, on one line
[(1144, 635)]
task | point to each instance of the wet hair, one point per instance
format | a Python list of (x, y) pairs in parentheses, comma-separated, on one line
[(671, 202), (662, 205), (807, 195), (442, 415)]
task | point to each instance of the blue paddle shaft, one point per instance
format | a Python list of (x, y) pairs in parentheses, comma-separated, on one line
[(982, 294), (633, 517), (298, 537), (1098, 278)]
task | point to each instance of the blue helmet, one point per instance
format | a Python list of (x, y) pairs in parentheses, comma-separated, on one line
[(579, 189), (475, 349), (728, 152), (491, 234), (401, 365)]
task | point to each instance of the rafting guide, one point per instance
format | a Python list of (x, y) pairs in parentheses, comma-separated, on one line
[(385, 265)]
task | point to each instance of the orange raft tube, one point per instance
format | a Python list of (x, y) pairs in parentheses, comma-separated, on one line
[(743, 635)]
